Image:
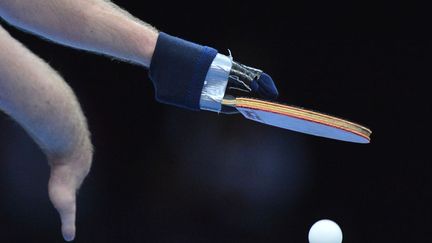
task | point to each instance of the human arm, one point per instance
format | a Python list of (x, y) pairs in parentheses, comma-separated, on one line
[(100, 26), (37, 98), (93, 25)]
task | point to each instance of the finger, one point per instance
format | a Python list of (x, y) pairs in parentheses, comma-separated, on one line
[(265, 87), (62, 191)]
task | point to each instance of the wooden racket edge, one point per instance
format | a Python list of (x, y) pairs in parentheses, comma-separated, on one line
[(301, 113)]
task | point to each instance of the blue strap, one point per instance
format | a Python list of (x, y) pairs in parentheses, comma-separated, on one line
[(178, 70)]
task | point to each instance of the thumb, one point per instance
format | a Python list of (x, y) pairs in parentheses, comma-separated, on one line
[(62, 188)]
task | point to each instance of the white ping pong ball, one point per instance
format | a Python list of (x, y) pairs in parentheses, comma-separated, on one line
[(325, 231)]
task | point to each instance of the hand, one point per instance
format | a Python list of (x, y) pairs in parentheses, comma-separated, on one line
[(244, 81), (179, 68), (67, 174), (250, 82)]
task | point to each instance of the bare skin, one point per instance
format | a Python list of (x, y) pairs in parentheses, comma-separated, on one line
[(38, 98)]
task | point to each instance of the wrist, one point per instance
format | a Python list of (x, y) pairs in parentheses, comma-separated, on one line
[(178, 70), (146, 44)]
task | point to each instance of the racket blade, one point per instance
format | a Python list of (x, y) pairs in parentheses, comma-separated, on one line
[(307, 125)]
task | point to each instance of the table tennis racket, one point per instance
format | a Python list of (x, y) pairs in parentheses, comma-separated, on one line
[(299, 119)]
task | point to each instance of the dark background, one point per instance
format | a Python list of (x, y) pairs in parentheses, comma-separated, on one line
[(163, 174)]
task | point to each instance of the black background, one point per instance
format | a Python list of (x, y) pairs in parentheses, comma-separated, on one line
[(162, 174)]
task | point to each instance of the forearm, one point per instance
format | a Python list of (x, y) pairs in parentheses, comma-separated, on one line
[(39, 100), (93, 25)]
